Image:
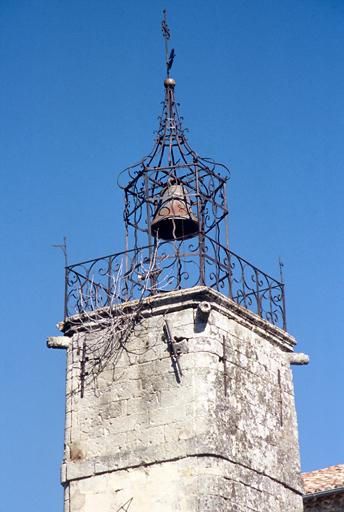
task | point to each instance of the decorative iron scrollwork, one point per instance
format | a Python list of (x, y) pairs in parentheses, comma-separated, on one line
[(89, 284)]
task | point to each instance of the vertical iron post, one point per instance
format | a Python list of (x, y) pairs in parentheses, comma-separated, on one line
[(226, 219), (258, 298), (109, 282), (66, 293), (126, 242), (284, 311), (152, 277), (201, 230)]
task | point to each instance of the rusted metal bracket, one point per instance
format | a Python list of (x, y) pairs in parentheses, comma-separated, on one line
[(223, 359), (83, 372), (173, 352)]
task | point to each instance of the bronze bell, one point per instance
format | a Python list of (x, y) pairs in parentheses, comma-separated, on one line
[(173, 219)]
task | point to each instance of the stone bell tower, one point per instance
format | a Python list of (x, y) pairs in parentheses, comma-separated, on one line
[(179, 391)]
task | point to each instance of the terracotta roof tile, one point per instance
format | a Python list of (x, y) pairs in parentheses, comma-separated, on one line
[(324, 479)]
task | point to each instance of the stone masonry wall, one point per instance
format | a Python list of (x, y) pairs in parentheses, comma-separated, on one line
[(224, 438)]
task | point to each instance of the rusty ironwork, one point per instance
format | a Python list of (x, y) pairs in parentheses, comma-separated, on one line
[(166, 35), (176, 230), (89, 284), (173, 351), (175, 195)]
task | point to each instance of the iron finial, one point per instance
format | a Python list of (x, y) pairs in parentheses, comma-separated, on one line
[(169, 82), (167, 34)]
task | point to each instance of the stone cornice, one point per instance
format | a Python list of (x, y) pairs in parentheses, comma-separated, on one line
[(177, 300)]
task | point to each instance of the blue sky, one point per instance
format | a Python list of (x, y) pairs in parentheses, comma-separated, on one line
[(261, 89)]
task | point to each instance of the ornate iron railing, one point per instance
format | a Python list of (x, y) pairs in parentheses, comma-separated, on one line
[(142, 272)]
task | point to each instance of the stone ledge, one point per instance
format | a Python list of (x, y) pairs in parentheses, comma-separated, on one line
[(189, 448), (191, 297)]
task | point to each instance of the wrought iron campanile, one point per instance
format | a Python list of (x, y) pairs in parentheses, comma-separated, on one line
[(176, 230), (175, 209)]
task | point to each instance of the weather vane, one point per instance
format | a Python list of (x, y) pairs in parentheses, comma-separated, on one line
[(167, 34)]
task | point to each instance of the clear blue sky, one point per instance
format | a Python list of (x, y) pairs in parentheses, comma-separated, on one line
[(261, 88)]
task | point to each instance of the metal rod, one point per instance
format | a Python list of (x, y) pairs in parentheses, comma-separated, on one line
[(172, 349), (280, 396), (224, 360), (66, 272), (83, 369), (281, 266), (201, 229), (226, 220), (167, 35)]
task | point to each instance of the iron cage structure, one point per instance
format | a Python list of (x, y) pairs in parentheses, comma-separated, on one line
[(176, 233)]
